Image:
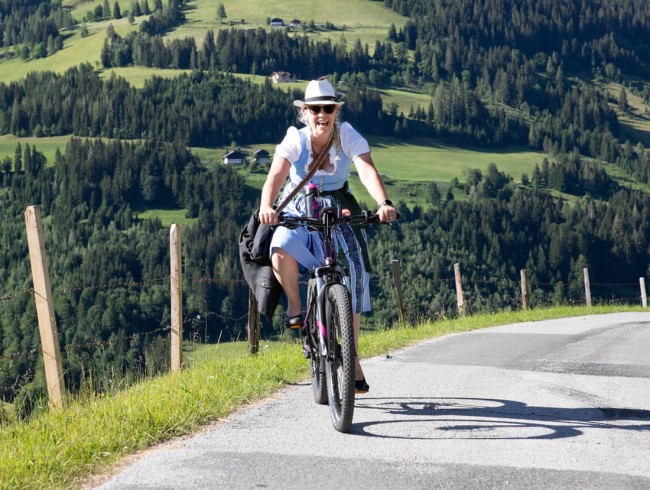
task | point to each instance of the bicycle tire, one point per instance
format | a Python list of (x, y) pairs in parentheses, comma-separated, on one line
[(316, 366), (339, 365)]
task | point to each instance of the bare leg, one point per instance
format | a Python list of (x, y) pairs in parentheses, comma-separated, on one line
[(356, 323), (286, 271)]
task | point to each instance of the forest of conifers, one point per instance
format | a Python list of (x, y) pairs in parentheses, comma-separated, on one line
[(499, 73)]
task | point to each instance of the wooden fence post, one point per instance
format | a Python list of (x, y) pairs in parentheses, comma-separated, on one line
[(459, 290), (176, 277), (524, 288), (253, 325), (644, 297), (585, 273), (397, 278), (44, 307)]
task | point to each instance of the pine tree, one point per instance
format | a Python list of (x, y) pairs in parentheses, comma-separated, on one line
[(27, 160), (18, 158), (622, 100), (434, 193), (221, 13)]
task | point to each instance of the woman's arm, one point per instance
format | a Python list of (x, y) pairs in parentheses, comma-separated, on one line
[(274, 180), (371, 181)]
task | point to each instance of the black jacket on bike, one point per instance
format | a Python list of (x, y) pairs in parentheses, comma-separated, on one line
[(254, 241)]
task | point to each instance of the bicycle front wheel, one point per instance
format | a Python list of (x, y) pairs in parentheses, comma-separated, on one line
[(339, 365)]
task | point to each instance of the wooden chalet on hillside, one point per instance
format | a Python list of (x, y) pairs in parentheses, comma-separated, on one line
[(261, 156), (234, 157), (281, 77)]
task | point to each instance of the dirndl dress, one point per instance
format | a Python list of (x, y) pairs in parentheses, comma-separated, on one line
[(350, 243)]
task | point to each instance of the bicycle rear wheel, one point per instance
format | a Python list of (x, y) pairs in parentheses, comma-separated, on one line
[(339, 365), (316, 363)]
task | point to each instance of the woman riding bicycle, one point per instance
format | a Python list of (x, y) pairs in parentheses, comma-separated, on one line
[(298, 250)]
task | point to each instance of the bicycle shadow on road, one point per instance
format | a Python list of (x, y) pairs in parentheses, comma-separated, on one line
[(484, 418)]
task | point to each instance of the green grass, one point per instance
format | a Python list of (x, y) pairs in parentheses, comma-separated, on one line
[(196, 354), (405, 100), (167, 217), (60, 449), (136, 75), (6, 412), (354, 19), (76, 50), (422, 159), (635, 122), (407, 166), (47, 146)]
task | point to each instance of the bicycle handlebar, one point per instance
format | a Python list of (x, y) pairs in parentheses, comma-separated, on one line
[(331, 217)]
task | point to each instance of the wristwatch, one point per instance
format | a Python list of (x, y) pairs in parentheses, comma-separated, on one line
[(387, 202)]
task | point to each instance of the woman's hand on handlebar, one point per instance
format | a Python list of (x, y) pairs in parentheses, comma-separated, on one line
[(268, 215), (386, 213)]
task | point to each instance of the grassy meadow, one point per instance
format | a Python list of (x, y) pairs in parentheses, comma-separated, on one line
[(353, 19), (406, 165), (76, 50), (167, 217), (635, 122), (65, 448), (46, 145)]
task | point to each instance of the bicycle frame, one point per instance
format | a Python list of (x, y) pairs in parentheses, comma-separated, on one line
[(330, 273), (328, 329)]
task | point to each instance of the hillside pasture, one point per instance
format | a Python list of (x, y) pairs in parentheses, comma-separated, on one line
[(167, 217), (47, 145), (422, 159), (76, 50), (352, 19), (635, 122), (404, 100), (407, 166), (137, 75)]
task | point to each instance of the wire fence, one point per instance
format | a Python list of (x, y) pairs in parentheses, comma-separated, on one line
[(194, 323), (202, 325)]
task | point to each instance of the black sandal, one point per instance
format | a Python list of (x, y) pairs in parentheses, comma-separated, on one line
[(293, 322), (361, 386)]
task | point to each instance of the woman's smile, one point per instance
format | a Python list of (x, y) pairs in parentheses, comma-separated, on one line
[(321, 123)]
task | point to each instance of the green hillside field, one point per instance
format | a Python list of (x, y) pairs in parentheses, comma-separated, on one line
[(406, 165), (76, 50), (352, 19)]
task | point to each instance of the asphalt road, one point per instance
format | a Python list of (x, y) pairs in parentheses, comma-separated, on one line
[(552, 404)]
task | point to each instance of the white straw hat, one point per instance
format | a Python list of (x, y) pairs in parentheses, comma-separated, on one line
[(319, 92)]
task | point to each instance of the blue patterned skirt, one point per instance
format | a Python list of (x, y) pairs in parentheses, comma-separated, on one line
[(351, 244)]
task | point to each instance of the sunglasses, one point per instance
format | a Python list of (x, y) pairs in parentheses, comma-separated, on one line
[(328, 109)]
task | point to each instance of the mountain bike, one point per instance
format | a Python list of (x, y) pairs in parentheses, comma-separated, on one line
[(328, 334)]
